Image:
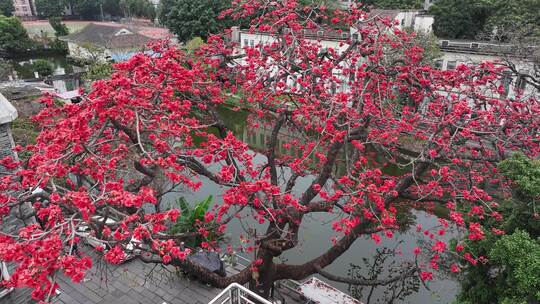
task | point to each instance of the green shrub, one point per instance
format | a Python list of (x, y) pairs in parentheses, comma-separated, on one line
[(43, 67), (191, 219), (60, 29)]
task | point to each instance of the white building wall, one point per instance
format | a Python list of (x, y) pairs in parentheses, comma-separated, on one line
[(259, 39), (23, 8), (423, 23), (451, 60)]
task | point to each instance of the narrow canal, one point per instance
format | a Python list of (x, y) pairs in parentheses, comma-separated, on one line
[(27, 69), (316, 233)]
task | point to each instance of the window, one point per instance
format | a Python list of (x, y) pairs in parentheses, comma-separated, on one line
[(261, 137), (252, 43), (451, 65), (245, 42), (439, 64), (521, 82), (506, 81)]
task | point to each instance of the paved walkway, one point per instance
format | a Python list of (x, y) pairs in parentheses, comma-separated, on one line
[(133, 282)]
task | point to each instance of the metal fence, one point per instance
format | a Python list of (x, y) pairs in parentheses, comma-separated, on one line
[(238, 294)]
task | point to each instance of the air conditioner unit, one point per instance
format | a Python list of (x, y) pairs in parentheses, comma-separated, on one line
[(474, 45), (287, 31), (445, 43), (344, 35), (320, 33)]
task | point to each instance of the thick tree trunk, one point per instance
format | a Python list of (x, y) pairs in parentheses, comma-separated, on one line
[(264, 280)]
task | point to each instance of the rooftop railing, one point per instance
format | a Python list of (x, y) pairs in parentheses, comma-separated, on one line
[(238, 294)]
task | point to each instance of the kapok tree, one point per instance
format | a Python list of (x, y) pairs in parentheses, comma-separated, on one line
[(155, 126)]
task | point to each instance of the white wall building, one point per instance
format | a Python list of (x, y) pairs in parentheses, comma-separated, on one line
[(456, 52), (23, 8), (325, 38)]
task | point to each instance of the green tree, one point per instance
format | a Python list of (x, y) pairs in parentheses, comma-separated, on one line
[(463, 19), (194, 44), (191, 18), (49, 8), (512, 273), (60, 29), (7, 8), (87, 9), (394, 4), (43, 67), (470, 18), (13, 36), (97, 71), (138, 8), (5, 69), (514, 14), (525, 173), (112, 7), (519, 258)]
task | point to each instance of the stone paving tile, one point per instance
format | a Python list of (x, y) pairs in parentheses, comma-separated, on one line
[(119, 292), (129, 283)]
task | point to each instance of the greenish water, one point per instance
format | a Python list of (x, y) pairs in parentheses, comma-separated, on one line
[(24, 69), (316, 231)]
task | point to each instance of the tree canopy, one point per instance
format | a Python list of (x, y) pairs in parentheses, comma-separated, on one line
[(462, 19), (13, 36), (49, 8), (87, 9), (511, 247), (60, 29), (6, 8), (123, 8), (139, 8), (395, 4), (471, 19), (194, 18), (155, 127)]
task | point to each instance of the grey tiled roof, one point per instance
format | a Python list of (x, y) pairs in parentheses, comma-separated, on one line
[(106, 36), (384, 13)]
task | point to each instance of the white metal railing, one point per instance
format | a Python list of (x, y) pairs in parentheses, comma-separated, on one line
[(238, 294)]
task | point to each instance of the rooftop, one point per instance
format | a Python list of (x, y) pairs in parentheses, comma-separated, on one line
[(8, 113), (384, 13), (113, 35), (486, 48)]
